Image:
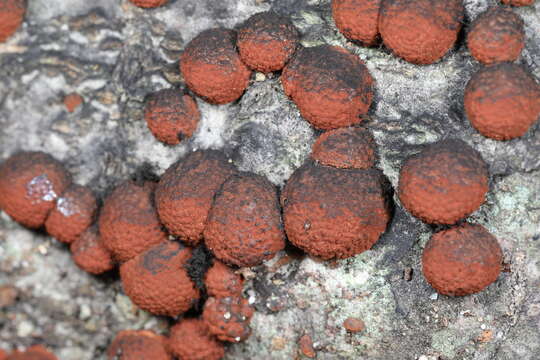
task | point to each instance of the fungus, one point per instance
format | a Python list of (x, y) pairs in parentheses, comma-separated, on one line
[(222, 281), (185, 193), (128, 222), (354, 325), (36, 352), (212, 67), (11, 17), (157, 280), (171, 115), (149, 3), (357, 19), (462, 260), (502, 101), (345, 148), (518, 2), (444, 183), (30, 183), (266, 41), (244, 225), (420, 31), (228, 318), (190, 340), (331, 87), (138, 345), (89, 253), (72, 102), (73, 214), (496, 35), (335, 213)]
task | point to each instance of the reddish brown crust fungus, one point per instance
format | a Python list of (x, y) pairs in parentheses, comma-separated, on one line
[(244, 225), (149, 3), (266, 41), (157, 280), (171, 115), (138, 345), (3, 355), (335, 213), (354, 325), (72, 102), (462, 260), (73, 214), (345, 148), (11, 17), (89, 253), (191, 340), (128, 222), (228, 318), (420, 31), (222, 281), (444, 183), (357, 19), (518, 2), (185, 192), (331, 87), (497, 35), (36, 352), (212, 67), (30, 183), (502, 101)]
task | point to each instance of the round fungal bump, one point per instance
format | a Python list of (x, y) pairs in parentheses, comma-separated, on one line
[(357, 20), (244, 226), (11, 17), (212, 67), (89, 253), (138, 344), (347, 148), (462, 260), (30, 183), (497, 35), (444, 183), (171, 115), (266, 41), (331, 87), (335, 213), (149, 3), (518, 2), (157, 280), (420, 31), (74, 212), (190, 339), (502, 101), (228, 318), (222, 281)]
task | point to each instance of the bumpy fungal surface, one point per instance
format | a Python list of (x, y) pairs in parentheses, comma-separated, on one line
[(244, 226), (518, 2), (346, 148), (36, 352), (89, 253), (357, 19), (420, 31), (444, 183), (228, 318), (335, 213), (171, 115), (30, 183), (3, 355), (149, 3), (331, 87), (138, 345), (74, 212), (462, 260), (221, 281), (128, 222), (212, 67), (497, 35), (72, 102), (185, 192), (157, 280), (502, 101), (11, 17), (190, 339), (266, 41)]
